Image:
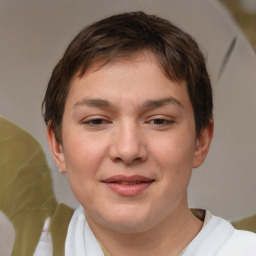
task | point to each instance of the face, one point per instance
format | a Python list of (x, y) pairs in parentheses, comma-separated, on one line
[(129, 144)]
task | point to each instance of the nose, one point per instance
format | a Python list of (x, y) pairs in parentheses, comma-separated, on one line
[(128, 144)]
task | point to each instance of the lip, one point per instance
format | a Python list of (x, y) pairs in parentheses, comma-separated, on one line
[(128, 185)]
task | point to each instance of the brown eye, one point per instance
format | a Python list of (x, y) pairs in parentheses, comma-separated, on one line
[(161, 121), (95, 122)]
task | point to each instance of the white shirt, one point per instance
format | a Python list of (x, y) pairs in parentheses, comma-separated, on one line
[(217, 238)]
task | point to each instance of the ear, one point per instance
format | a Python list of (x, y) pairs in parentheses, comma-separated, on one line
[(56, 149), (203, 144)]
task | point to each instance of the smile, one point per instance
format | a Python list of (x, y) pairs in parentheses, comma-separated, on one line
[(130, 182), (128, 185)]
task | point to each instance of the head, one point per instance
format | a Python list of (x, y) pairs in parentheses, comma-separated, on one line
[(129, 110), (123, 37)]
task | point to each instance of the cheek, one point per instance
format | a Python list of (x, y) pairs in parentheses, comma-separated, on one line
[(175, 158), (83, 161), (176, 150), (83, 158), (81, 148)]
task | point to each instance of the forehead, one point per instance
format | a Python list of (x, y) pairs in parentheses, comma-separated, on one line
[(99, 62), (134, 80), (138, 57), (134, 66)]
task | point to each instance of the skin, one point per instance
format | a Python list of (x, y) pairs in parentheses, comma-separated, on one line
[(127, 118)]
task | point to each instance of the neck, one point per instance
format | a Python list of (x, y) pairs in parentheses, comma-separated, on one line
[(169, 237)]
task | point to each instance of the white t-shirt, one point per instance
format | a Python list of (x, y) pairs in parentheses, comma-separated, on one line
[(217, 238)]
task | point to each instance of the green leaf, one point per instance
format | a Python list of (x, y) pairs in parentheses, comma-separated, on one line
[(26, 194)]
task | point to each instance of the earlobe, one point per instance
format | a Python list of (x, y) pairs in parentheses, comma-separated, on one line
[(203, 144), (56, 149)]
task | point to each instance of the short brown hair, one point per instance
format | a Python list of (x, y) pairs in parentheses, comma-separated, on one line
[(124, 35)]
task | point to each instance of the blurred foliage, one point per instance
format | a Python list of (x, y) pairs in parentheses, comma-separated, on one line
[(245, 18)]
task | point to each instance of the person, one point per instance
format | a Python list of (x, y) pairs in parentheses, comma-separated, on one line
[(128, 111)]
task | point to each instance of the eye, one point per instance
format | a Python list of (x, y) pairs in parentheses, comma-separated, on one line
[(161, 121), (96, 122)]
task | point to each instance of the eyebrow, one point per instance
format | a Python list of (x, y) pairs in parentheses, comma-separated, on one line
[(99, 103), (149, 104)]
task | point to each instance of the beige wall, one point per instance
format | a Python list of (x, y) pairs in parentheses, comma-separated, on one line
[(34, 34)]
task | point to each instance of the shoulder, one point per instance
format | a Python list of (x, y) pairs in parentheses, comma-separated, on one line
[(238, 242), (219, 238)]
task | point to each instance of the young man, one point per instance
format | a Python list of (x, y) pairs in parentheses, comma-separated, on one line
[(129, 114)]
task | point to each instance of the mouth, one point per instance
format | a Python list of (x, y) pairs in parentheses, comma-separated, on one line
[(128, 180), (128, 185)]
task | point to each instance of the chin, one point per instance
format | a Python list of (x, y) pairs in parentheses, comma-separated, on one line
[(127, 221), (130, 227)]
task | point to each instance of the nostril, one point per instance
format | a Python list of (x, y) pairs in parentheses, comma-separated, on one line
[(118, 159), (128, 151), (126, 160)]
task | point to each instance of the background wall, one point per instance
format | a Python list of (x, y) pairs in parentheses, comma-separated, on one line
[(244, 12), (35, 33)]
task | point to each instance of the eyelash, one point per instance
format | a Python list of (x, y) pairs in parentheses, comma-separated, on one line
[(163, 121), (96, 122), (100, 122)]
